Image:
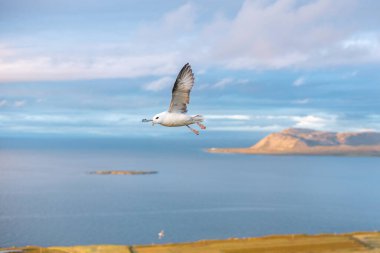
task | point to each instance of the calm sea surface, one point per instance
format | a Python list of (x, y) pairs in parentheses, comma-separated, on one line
[(48, 198)]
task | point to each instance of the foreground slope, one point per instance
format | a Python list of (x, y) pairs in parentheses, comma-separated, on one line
[(311, 142), (364, 242)]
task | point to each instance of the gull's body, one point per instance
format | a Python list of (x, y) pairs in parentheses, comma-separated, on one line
[(173, 119), (176, 115)]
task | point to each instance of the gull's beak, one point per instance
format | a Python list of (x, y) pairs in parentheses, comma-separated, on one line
[(146, 120)]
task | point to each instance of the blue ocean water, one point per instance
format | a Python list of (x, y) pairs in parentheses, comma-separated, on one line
[(48, 198)]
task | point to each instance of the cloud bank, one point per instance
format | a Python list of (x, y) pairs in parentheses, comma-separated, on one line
[(259, 35)]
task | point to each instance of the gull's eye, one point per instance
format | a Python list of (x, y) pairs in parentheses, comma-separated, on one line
[(157, 117)]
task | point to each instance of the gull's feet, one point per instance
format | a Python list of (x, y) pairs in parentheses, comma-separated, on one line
[(195, 131), (203, 127)]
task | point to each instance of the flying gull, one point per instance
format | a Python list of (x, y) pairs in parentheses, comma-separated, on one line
[(176, 115)]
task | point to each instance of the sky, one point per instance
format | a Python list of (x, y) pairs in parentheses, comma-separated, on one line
[(96, 68)]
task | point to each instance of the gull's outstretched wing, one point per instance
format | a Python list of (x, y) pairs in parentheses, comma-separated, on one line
[(181, 90)]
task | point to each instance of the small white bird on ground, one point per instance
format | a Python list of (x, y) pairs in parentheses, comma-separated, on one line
[(176, 115), (161, 234)]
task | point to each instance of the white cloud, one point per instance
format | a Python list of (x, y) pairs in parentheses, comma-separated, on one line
[(19, 103), (222, 83), (315, 122), (272, 123), (260, 35), (3, 103), (350, 74), (83, 67), (228, 117), (201, 72), (46, 118), (301, 101), (365, 130), (242, 81), (174, 27), (16, 103), (72, 119), (278, 34), (180, 19), (374, 116), (299, 81), (229, 81), (136, 57), (362, 41), (160, 84), (269, 128)]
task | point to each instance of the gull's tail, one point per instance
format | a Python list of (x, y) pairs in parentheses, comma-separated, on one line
[(197, 118)]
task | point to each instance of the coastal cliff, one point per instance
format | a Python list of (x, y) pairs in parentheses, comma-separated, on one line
[(296, 141)]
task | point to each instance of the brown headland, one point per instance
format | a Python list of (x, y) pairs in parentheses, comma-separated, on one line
[(296, 141)]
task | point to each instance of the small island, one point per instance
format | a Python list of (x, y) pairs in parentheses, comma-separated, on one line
[(123, 172), (297, 141)]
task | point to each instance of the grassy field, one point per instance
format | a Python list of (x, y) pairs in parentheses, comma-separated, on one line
[(338, 243)]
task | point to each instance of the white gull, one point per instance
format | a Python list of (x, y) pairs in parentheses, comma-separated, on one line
[(176, 115)]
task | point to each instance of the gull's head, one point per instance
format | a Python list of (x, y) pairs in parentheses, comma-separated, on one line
[(158, 118)]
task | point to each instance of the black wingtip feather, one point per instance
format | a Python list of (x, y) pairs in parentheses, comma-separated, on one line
[(185, 68)]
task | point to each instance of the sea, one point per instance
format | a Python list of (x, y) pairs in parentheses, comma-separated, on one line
[(49, 197)]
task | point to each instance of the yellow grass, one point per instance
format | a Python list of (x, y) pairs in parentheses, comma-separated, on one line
[(364, 242)]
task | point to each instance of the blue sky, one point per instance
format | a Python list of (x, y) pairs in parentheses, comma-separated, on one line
[(96, 68)]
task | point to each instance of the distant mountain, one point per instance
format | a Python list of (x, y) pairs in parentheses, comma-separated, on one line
[(310, 142)]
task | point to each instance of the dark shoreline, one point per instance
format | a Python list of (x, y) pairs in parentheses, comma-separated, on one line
[(122, 172)]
